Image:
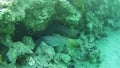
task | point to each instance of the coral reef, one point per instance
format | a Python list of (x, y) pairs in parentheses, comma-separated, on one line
[(68, 13), (55, 33), (42, 12), (17, 50)]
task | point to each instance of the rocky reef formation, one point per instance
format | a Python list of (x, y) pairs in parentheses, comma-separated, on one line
[(54, 33)]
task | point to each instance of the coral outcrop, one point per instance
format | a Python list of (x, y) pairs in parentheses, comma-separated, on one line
[(55, 33)]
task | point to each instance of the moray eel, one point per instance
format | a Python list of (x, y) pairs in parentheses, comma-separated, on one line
[(58, 40), (60, 29), (59, 35)]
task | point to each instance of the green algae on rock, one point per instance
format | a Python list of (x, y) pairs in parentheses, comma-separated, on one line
[(64, 32)]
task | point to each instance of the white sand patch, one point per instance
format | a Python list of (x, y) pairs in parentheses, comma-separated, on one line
[(110, 50)]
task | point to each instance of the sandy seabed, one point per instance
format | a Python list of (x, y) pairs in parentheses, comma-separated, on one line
[(110, 50)]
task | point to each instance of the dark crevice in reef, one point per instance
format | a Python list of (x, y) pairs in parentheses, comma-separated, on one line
[(3, 51), (57, 28), (20, 31), (53, 28)]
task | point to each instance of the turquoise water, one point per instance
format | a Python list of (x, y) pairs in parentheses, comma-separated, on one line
[(59, 33)]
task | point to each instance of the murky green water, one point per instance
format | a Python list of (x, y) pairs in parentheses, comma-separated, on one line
[(59, 33)]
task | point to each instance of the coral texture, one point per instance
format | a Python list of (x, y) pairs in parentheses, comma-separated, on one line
[(55, 33)]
